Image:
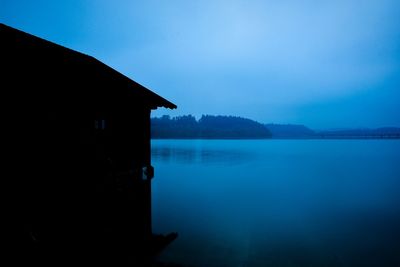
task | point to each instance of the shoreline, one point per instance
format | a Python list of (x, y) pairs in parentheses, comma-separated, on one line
[(284, 138)]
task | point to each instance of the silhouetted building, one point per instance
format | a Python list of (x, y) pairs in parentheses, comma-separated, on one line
[(78, 155)]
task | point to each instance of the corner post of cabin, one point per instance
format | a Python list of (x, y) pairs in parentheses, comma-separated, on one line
[(147, 165)]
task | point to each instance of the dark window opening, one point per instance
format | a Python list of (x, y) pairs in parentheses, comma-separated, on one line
[(100, 124)]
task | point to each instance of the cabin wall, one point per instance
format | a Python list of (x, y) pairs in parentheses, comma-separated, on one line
[(75, 182)]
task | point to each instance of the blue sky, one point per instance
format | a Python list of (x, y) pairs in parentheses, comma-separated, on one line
[(325, 64)]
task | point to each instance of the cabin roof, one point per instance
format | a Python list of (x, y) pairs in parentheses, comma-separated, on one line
[(152, 99)]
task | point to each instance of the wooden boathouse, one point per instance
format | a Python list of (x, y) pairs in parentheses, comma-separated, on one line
[(78, 156)]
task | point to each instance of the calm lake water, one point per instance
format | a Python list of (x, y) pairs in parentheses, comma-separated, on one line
[(278, 202)]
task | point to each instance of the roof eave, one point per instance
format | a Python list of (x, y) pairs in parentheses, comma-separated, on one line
[(164, 104)]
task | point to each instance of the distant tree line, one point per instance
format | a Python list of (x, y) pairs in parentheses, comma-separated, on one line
[(290, 131), (384, 132), (232, 127), (207, 127), (300, 131)]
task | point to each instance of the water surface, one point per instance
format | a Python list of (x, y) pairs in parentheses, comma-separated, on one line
[(278, 202)]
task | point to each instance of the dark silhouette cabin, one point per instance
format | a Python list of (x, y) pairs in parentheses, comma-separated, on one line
[(77, 135)]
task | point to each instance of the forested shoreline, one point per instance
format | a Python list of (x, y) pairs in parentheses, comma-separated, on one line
[(234, 127)]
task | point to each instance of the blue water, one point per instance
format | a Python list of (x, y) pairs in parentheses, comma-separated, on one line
[(278, 202)]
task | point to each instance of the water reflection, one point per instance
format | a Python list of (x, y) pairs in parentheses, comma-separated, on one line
[(282, 203), (195, 155)]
